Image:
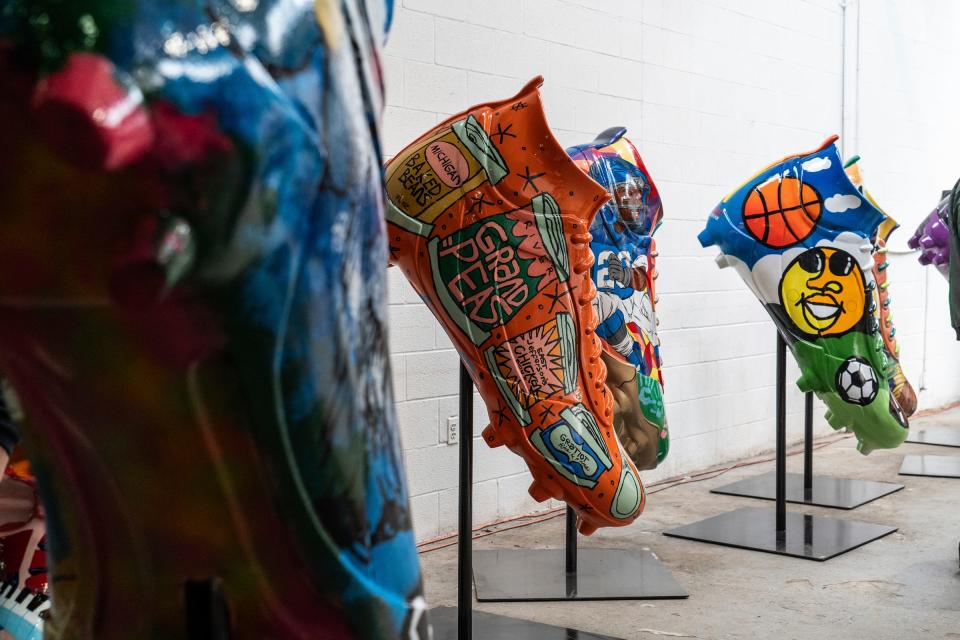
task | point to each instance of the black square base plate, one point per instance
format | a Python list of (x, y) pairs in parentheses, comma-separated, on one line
[(806, 536), (487, 626), (941, 436), (931, 466), (837, 493), (602, 574)]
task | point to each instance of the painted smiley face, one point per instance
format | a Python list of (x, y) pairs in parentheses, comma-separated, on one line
[(822, 292)]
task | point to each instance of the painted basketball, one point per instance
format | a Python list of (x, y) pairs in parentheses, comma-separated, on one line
[(782, 211)]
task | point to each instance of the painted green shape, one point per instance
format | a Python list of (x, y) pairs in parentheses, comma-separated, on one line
[(546, 213), (472, 274), (876, 424), (852, 161), (476, 334), (651, 399), (627, 499), (402, 220), (583, 422), (567, 335), (512, 401), (651, 403), (474, 138)]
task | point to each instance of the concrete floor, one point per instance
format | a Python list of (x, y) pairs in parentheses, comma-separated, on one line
[(903, 586)]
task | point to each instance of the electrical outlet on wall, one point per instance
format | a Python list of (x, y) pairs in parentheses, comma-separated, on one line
[(453, 429)]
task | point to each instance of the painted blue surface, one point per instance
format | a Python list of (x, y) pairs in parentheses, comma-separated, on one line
[(725, 226)]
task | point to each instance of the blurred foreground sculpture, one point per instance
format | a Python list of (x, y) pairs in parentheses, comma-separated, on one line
[(192, 311), (24, 590), (489, 220), (799, 233)]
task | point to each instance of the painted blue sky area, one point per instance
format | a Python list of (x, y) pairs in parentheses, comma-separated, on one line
[(843, 207)]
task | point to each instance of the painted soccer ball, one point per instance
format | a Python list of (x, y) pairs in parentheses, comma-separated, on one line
[(857, 381)]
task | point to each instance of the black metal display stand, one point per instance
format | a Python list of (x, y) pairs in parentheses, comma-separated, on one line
[(806, 488), (939, 436), (775, 530), (930, 466), (508, 575), (462, 622), (505, 575)]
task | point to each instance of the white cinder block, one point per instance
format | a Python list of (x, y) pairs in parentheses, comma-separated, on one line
[(431, 469), (399, 287), (484, 505), (433, 88), (418, 423), (412, 36), (431, 373), (411, 328), (402, 126), (513, 497), (491, 463), (457, 9), (393, 79), (398, 370), (425, 510), (464, 46)]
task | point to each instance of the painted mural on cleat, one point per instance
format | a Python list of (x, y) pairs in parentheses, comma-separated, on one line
[(938, 238), (880, 304), (624, 272), (24, 592), (932, 237), (799, 233), (193, 314), (489, 220)]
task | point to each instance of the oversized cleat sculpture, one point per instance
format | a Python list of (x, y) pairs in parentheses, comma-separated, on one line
[(799, 233), (902, 389), (193, 314), (932, 238), (489, 220), (938, 238), (624, 272)]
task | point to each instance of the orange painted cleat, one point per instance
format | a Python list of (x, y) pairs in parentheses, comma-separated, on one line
[(489, 220)]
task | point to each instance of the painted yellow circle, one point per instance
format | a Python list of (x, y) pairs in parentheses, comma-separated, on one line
[(822, 292)]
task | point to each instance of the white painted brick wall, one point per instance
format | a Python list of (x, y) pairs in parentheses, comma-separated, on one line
[(711, 90)]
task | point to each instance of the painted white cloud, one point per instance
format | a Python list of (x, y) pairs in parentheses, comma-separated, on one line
[(764, 278), (839, 203), (816, 164)]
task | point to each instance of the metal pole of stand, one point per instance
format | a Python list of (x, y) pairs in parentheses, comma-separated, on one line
[(465, 533), (808, 446), (571, 541), (781, 487), (570, 554), (810, 537)]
